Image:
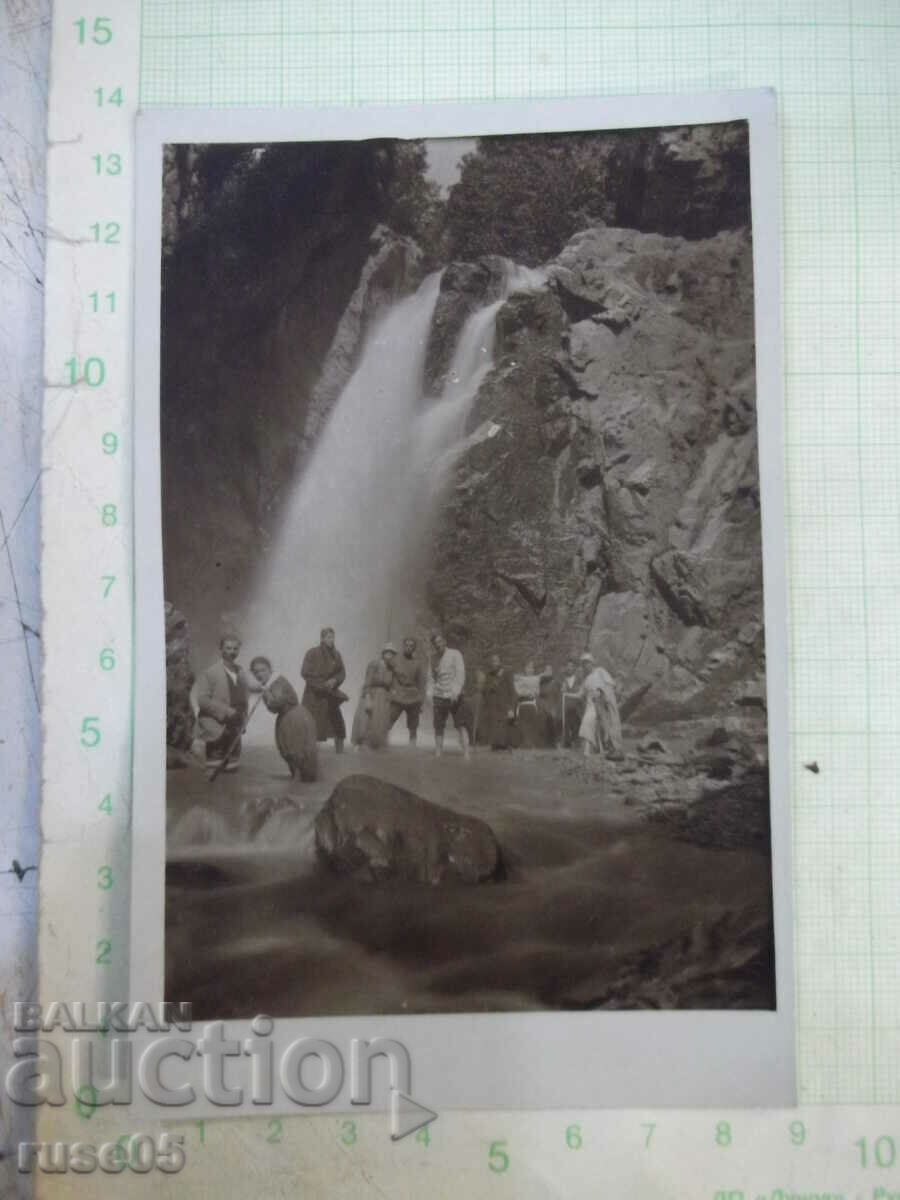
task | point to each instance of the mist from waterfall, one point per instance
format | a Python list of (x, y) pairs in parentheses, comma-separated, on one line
[(349, 551)]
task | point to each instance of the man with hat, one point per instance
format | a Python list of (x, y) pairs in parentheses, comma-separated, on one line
[(601, 727), (408, 690)]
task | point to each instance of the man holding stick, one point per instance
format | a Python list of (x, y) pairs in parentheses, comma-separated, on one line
[(222, 697)]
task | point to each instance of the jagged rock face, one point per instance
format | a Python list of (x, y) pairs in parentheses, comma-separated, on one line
[(693, 179), (179, 681), (617, 509), (374, 831)]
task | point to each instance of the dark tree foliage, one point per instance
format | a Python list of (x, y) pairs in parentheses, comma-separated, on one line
[(248, 197), (234, 216), (525, 196), (521, 197), (414, 201)]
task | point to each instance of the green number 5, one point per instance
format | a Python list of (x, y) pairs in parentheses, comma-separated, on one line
[(90, 732), (498, 1159)]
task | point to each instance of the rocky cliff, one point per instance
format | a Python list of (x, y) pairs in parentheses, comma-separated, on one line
[(617, 508)]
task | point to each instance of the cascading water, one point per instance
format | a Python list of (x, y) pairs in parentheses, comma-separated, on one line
[(348, 553), (441, 426)]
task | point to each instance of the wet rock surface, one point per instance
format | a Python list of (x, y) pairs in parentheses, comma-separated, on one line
[(724, 959), (373, 830)]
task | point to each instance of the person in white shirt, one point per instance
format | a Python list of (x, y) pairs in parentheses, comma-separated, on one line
[(448, 678), (601, 728)]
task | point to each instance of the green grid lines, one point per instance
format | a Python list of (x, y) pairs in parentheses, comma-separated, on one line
[(836, 66)]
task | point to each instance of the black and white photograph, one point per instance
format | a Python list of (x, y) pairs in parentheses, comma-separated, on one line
[(465, 646)]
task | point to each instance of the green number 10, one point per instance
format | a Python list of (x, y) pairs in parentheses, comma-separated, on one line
[(885, 1151), (94, 371)]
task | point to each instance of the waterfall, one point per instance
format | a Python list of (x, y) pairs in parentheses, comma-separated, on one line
[(348, 551), (441, 426)]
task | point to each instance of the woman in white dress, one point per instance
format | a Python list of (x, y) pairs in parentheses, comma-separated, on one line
[(601, 726)]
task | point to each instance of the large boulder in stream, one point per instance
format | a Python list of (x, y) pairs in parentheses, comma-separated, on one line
[(375, 831)]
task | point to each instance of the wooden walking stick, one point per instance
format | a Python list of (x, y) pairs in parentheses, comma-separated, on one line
[(237, 737)]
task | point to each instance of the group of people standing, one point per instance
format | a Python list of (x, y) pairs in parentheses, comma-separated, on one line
[(538, 708), (505, 710), (397, 684)]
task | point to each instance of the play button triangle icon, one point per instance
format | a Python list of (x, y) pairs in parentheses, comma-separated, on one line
[(407, 1115)]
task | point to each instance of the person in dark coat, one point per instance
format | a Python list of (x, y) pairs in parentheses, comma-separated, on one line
[(572, 703), (498, 707), (548, 705), (295, 729), (323, 670), (408, 691)]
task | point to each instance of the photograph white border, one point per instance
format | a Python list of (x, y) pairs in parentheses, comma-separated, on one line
[(536, 1060)]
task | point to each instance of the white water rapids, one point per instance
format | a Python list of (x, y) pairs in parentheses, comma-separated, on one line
[(349, 551)]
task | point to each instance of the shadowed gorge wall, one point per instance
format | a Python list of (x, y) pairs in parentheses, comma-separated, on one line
[(265, 249)]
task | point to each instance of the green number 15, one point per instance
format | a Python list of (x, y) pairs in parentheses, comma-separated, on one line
[(99, 32)]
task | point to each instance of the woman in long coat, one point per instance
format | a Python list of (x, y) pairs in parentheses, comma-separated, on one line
[(372, 722), (295, 728), (498, 707)]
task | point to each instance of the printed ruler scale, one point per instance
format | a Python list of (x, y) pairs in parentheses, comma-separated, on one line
[(109, 58), (87, 546)]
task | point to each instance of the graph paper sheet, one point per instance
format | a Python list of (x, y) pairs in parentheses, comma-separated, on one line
[(835, 65)]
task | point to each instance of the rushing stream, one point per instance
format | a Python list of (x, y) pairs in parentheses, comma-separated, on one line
[(597, 906)]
